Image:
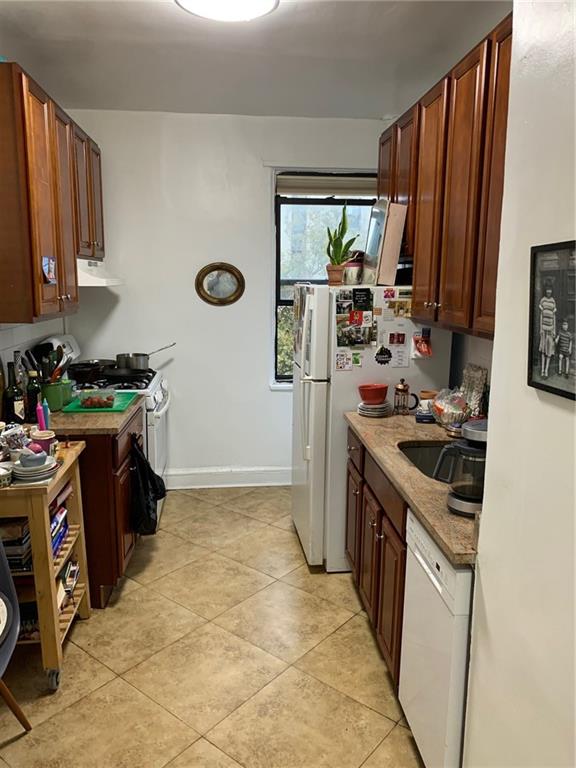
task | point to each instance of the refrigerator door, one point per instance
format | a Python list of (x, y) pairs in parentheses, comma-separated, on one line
[(309, 464), (311, 330), (429, 373)]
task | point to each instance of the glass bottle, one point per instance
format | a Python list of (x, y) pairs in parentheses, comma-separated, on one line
[(32, 396), (14, 406)]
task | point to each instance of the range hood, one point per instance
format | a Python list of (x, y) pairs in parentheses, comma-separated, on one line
[(94, 273)]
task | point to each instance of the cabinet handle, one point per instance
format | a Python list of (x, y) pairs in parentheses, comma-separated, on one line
[(379, 536), (68, 297), (97, 244), (372, 524), (355, 493), (426, 304), (437, 305), (352, 448)]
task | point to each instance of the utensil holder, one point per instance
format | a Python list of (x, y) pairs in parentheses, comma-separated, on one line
[(54, 395)]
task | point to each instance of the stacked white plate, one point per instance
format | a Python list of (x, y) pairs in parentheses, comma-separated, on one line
[(22, 474), (376, 411)]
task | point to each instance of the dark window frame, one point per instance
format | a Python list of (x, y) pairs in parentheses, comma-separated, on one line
[(279, 201)]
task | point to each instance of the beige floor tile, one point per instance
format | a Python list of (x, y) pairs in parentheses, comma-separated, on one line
[(284, 621), (267, 504), (215, 527), (211, 585), (298, 722), (270, 550), (218, 495), (260, 509), (205, 676), (178, 505), (349, 661), (124, 587), (202, 754), (27, 680), (114, 727), (338, 588), (155, 556), (125, 634), (286, 523), (398, 750)]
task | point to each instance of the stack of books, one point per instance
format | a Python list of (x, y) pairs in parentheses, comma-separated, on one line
[(15, 535), (58, 529)]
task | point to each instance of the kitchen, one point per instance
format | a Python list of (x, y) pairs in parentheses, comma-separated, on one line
[(175, 173)]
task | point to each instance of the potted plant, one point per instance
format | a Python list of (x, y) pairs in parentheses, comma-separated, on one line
[(338, 251)]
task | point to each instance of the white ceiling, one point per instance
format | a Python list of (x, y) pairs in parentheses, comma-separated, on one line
[(317, 58)]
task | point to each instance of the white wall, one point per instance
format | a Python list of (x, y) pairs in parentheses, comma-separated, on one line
[(182, 191), (23, 337), (521, 704)]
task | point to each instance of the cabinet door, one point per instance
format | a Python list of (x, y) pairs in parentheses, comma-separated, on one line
[(96, 207), (429, 198), (493, 178), (82, 189), (353, 517), (368, 573), (462, 188), (392, 553), (122, 496), (38, 112), (386, 164), (406, 171), (64, 169)]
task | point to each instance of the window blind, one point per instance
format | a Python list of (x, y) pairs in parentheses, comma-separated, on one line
[(344, 185)]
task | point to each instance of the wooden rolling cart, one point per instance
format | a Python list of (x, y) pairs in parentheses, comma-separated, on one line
[(33, 502)]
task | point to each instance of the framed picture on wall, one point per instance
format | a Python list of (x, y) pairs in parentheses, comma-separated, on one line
[(552, 344)]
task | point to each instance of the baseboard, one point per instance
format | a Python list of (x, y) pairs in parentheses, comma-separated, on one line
[(222, 477)]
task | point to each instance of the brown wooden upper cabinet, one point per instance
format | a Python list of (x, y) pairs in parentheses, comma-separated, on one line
[(406, 171), (386, 158), (429, 199), (89, 218), (459, 178), (493, 174), (37, 275), (462, 189), (64, 170)]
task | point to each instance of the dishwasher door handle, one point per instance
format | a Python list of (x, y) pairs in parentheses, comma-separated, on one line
[(431, 575)]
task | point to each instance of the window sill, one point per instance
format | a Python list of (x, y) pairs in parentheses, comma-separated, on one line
[(281, 386)]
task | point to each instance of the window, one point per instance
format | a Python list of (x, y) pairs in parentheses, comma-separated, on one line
[(305, 206)]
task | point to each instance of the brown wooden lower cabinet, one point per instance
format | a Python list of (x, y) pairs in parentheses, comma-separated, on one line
[(391, 596), (106, 496), (376, 549), (368, 571), (353, 516)]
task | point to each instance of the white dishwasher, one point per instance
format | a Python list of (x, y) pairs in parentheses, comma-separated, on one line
[(435, 641)]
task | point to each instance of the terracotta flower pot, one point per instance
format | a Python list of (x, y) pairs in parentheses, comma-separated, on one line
[(335, 273)]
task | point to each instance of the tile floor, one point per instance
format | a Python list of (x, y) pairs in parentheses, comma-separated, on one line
[(220, 650)]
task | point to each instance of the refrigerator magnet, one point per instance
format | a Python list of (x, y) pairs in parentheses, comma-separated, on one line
[(343, 360), (383, 355), (362, 298), (357, 359)]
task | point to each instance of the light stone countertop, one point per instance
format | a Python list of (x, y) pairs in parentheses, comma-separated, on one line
[(73, 424), (426, 498)]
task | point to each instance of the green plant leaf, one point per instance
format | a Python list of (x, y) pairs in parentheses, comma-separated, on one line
[(349, 244)]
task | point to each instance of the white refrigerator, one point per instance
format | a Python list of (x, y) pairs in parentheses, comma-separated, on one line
[(337, 347)]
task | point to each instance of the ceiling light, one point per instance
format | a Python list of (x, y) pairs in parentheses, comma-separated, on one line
[(229, 10)]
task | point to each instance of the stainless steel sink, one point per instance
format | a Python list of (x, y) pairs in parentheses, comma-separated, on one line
[(423, 455)]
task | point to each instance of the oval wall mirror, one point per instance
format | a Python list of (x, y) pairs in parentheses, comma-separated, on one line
[(220, 283)]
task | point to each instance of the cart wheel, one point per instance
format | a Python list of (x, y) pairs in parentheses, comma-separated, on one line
[(54, 676)]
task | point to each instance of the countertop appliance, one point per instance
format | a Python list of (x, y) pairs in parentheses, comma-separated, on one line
[(324, 389), (435, 642), (462, 465)]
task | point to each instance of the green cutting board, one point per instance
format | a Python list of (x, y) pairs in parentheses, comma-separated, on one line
[(123, 400)]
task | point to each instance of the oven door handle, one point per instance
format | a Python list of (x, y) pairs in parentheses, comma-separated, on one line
[(162, 411)]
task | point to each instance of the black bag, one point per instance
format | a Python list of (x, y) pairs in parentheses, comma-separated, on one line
[(147, 490)]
